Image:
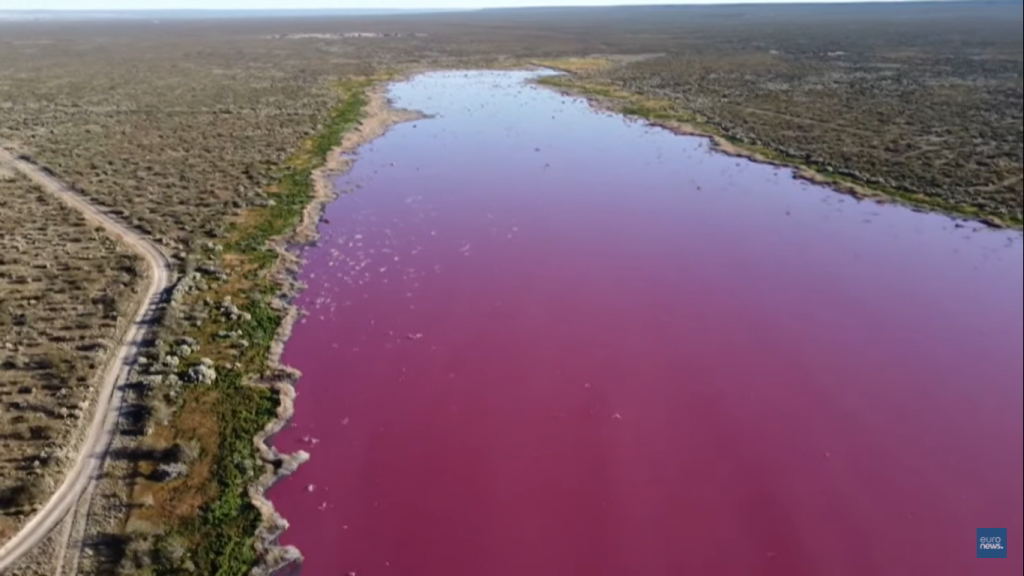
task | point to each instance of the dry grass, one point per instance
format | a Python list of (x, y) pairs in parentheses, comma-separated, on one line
[(175, 502), (578, 66), (66, 292)]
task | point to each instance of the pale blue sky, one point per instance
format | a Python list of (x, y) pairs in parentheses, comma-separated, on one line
[(301, 4)]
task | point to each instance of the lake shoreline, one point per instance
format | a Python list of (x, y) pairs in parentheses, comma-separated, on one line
[(378, 117), (860, 191)]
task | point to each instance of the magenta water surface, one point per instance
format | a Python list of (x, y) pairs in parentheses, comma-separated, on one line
[(547, 341)]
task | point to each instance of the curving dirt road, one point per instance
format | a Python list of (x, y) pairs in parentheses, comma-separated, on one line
[(87, 467)]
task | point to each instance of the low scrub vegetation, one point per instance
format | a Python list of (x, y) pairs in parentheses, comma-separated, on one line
[(66, 292), (927, 110)]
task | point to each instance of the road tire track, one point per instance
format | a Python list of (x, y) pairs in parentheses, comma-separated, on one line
[(82, 477)]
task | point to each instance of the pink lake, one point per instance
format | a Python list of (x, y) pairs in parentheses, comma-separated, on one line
[(547, 341)]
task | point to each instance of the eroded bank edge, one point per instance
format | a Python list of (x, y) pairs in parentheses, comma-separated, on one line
[(378, 116), (607, 96)]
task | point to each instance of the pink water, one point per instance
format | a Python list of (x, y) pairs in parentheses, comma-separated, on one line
[(546, 341)]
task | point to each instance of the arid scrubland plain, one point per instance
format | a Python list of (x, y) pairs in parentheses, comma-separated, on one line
[(204, 134), (66, 291)]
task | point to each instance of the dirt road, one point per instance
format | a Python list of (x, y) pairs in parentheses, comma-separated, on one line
[(89, 463)]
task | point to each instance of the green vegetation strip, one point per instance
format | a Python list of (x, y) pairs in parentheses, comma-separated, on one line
[(294, 186), (220, 541), (225, 530)]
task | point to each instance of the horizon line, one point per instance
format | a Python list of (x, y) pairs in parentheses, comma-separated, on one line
[(482, 8)]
